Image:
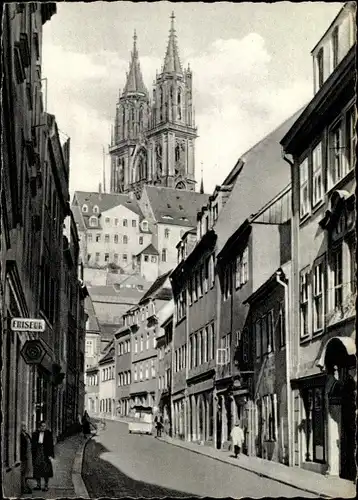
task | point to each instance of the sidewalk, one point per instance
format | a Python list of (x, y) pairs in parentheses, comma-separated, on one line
[(68, 459), (323, 486)]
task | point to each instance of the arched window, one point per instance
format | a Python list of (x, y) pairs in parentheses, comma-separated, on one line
[(84, 209), (179, 104), (95, 209)]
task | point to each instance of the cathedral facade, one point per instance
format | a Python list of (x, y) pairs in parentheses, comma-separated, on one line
[(153, 140)]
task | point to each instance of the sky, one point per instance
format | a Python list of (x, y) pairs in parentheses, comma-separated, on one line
[(251, 62)]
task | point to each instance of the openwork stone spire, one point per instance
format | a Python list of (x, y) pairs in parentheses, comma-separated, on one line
[(171, 61), (135, 83)]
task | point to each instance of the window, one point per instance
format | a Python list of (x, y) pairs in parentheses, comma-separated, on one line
[(200, 281), (166, 233), (95, 209), (125, 239), (152, 368), (335, 156), (264, 335), (317, 193), (116, 258), (146, 371), (115, 238), (282, 328), (212, 326), (106, 238), (227, 285), (164, 255), (269, 422), (337, 268), (125, 257), (304, 302), (88, 257), (146, 258), (97, 256), (89, 237), (351, 139), (106, 257), (140, 371), (98, 237), (141, 343), (206, 275), (320, 75), (304, 200), (335, 47), (145, 225), (190, 289), (93, 221), (141, 240), (125, 223), (116, 221), (134, 223), (135, 375), (212, 271), (153, 258), (107, 220), (318, 287), (245, 266), (136, 345), (84, 208), (147, 342)]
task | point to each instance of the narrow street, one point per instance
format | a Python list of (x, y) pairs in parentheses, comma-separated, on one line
[(118, 464)]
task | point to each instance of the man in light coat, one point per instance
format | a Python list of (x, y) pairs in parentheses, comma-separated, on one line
[(237, 438)]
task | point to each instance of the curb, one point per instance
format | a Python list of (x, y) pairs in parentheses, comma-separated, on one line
[(260, 474), (78, 484)]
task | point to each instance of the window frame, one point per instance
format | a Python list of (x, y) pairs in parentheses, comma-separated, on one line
[(317, 173), (318, 294), (304, 186), (306, 302)]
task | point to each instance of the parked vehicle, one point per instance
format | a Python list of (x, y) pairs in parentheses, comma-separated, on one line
[(142, 422)]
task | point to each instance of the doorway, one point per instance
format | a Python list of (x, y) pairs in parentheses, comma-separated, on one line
[(348, 430)]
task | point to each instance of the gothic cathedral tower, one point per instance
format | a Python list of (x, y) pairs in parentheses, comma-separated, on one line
[(153, 143)]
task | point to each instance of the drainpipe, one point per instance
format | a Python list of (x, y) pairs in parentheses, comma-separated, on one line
[(288, 365)]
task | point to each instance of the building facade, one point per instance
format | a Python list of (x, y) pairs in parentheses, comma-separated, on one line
[(107, 389), (143, 323), (164, 337), (320, 148), (123, 372), (153, 139)]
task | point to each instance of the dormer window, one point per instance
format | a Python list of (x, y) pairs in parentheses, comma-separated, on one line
[(95, 209), (93, 221), (85, 209), (144, 225)]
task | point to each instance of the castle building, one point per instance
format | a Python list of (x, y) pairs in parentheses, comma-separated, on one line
[(153, 139)]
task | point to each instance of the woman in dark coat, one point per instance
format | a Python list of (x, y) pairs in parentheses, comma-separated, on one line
[(86, 424), (42, 450)]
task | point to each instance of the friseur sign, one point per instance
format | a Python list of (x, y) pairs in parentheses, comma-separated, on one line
[(27, 325)]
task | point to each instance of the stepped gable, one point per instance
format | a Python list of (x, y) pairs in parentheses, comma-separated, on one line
[(176, 207)]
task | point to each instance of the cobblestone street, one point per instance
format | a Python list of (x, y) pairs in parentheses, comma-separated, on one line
[(117, 464)]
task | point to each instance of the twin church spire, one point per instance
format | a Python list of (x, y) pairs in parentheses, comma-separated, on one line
[(153, 138)]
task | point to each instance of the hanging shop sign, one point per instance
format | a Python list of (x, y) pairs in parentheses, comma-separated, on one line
[(34, 352), (27, 325)]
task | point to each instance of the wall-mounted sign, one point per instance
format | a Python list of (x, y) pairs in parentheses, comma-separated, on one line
[(27, 325), (33, 352)]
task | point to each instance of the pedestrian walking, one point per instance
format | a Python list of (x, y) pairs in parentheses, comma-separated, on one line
[(86, 424), (42, 453), (26, 459), (237, 439), (159, 425)]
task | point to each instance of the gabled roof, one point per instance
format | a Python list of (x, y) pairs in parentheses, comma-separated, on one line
[(77, 215), (116, 293), (165, 312), (174, 206), (263, 173), (93, 324), (104, 201), (149, 250), (109, 355), (155, 290)]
